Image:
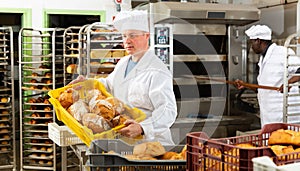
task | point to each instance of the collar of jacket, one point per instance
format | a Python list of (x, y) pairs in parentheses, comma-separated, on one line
[(142, 64), (263, 54)]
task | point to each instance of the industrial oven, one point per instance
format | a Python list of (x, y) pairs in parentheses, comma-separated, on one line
[(204, 44)]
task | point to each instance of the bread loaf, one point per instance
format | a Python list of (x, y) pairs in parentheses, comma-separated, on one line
[(284, 137), (169, 155), (78, 109), (149, 148), (117, 105), (71, 69), (95, 122), (102, 108), (68, 97)]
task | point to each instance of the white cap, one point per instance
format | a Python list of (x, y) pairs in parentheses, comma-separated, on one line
[(259, 32), (131, 20)]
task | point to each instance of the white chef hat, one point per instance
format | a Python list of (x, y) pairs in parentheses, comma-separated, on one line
[(131, 20), (259, 32)]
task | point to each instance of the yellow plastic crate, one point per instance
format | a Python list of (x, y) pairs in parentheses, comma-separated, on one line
[(83, 132)]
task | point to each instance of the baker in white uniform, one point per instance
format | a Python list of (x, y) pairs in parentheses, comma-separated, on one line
[(271, 73), (142, 80)]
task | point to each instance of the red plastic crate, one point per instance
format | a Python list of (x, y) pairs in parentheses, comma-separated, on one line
[(204, 154)]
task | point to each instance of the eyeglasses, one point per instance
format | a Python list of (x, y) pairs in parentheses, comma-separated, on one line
[(132, 35)]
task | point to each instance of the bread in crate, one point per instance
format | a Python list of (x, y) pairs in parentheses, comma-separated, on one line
[(235, 153), (90, 111)]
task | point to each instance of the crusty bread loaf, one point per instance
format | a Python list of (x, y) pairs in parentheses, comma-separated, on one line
[(284, 137), (68, 97), (78, 109), (149, 148), (117, 105), (102, 108), (95, 122)]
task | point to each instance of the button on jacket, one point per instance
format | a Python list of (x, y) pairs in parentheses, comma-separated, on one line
[(149, 87)]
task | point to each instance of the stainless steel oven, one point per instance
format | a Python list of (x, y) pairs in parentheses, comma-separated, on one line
[(207, 43)]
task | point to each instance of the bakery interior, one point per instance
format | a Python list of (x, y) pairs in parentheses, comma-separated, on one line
[(202, 42)]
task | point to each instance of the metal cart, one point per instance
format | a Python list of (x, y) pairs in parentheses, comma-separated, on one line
[(73, 44), (103, 48), (40, 70), (292, 42), (7, 97)]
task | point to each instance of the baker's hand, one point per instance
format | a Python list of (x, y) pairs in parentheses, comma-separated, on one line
[(281, 88), (239, 84), (132, 129), (80, 78)]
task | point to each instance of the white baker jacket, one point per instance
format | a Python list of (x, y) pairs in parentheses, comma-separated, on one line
[(271, 73), (149, 87)]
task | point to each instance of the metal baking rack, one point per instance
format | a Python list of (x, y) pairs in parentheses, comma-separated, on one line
[(73, 43), (40, 70), (293, 42), (7, 101), (104, 49)]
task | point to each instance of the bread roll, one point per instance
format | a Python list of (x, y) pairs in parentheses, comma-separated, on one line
[(4, 99), (5, 112), (95, 122), (33, 81), (49, 162), (39, 100), (46, 101), (102, 108), (47, 115), (284, 137), (94, 93), (149, 148), (71, 69), (45, 88), (33, 107), (168, 155), (32, 100), (117, 105), (78, 109), (48, 74), (47, 108), (33, 87), (119, 120), (34, 74), (68, 97)]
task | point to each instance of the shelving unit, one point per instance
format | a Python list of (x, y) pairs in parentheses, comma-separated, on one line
[(40, 70), (104, 49), (73, 56), (7, 101), (293, 42)]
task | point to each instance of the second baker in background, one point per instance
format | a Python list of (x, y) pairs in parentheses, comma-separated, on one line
[(271, 73), (142, 80)]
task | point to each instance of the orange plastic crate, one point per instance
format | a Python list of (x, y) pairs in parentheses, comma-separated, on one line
[(204, 154)]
